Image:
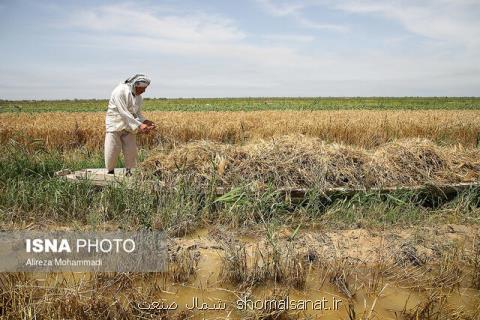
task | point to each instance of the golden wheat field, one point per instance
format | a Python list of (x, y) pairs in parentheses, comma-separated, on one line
[(404, 254), (365, 128)]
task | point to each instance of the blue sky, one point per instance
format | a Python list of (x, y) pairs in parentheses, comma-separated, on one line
[(82, 49)]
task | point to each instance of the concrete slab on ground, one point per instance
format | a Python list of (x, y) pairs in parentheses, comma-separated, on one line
[(97, 176)]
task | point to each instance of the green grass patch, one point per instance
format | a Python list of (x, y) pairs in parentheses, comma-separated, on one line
[(29, 191), (253, 104)]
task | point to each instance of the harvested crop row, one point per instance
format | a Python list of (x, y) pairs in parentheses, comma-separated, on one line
[(365, 128), (303, 162)]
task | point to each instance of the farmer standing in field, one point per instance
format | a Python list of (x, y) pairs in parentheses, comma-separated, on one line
[(124, 120)]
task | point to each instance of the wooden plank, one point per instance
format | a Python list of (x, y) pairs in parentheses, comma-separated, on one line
[(98, 177), (430, 188), (445, 191), (440, 188)]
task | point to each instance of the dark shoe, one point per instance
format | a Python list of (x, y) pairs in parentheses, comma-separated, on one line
[(111, 172)]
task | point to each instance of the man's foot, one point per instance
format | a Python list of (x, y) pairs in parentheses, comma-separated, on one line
[(111, 172)]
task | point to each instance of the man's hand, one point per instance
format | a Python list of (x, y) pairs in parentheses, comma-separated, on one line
[(150, 124), (143, 128)]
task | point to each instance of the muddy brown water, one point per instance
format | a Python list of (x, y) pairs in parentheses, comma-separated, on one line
[(208, 296), (210, 290), (221, 300)]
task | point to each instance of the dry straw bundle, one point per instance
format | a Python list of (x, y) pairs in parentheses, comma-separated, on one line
[(297, 161)]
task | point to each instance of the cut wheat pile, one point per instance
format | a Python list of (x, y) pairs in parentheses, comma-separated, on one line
[(304, 162)]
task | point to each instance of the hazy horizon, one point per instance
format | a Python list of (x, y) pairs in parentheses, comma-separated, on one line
[(259, 97)]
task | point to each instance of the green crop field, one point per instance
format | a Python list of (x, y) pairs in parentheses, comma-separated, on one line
[(251, 104)]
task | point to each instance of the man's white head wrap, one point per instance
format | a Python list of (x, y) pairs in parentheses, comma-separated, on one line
[(138, 80)]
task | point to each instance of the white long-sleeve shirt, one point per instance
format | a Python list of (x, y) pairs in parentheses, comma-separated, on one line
[(124, 110)]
